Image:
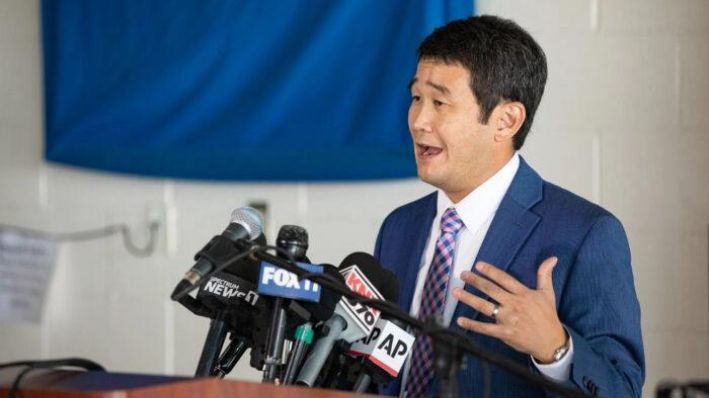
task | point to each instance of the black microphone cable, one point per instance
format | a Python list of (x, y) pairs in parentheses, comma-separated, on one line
[(226, 264), (80, 363)]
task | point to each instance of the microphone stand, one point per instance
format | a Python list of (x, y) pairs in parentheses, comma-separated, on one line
[(274, 346), (236, 348), (218, 329), (293, 241), (447, 363)]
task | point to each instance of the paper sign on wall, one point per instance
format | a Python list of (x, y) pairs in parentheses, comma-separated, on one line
[(26, 265)]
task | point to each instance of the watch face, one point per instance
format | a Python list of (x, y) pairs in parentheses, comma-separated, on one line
[(560, 352)]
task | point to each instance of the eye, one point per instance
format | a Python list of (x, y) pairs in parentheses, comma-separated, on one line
[(415, 98), (437, 103)]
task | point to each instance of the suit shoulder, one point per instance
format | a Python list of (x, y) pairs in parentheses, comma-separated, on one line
[(568, 206), (405, 211), (400, 224)]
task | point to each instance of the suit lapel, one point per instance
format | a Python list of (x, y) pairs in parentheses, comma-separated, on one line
[(510, 228)]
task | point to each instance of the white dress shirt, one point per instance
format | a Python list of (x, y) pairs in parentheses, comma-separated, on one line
[(477, 211)]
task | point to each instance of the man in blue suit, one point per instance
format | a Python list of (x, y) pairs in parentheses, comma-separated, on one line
[(529, 270)]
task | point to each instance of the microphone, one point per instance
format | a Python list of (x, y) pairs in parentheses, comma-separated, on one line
[(234, 300), (388, 281), (225, 289), (294, 240), (313, 313), (354, 268), (302, 310), (383, 353), (303, 339), (246, 223), (347, 366), (351, 321), (235, 305)]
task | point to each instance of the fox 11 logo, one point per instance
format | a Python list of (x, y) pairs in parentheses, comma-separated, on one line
[(275, 281)]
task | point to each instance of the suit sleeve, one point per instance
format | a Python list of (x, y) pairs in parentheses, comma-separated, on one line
[(380, 238), (378, 243), (600, 308), (392, 388)]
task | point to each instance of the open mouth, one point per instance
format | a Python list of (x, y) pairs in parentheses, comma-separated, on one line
[(428, 150)]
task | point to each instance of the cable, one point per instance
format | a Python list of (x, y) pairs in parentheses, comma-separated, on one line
[(203, 280), (249, 252), (99, 233), (18, 379), (73, 362), (81, 363)]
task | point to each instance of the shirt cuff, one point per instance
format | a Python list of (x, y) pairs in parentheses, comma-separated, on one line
[(558, 371)]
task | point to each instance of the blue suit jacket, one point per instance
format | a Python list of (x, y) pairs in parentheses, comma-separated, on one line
[(593, 281)]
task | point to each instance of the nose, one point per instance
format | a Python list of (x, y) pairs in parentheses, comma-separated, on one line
[(419, 118)]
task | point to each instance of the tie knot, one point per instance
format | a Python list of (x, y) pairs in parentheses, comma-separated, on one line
[(451, 222)]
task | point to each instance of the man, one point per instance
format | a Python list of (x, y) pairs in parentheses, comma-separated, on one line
[(529, 270)]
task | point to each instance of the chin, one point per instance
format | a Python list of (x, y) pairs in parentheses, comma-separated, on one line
[(436, 181)]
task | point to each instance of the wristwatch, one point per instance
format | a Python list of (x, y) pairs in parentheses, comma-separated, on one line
[(560, 352)]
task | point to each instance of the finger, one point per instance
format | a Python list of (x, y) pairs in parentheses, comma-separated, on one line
[(544, 275), (488, 329), (474, 301), (486, 286), (502, 278)]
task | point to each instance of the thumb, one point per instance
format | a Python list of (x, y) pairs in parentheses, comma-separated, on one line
[(544, 280)]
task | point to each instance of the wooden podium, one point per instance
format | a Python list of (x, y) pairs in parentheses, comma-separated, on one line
[(65, 384)]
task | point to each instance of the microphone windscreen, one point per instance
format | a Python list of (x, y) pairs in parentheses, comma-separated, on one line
[(383, 280), (250, 219), (294, 240)]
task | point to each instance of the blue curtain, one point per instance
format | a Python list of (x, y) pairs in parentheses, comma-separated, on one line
[(235, 89)]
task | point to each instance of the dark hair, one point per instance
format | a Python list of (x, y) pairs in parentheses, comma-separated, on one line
[(504, 61)]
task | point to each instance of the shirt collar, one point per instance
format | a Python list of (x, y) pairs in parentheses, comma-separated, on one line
[(476, 208)]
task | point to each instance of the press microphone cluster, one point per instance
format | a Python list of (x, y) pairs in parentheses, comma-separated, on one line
[(312, 324), (299, 331)]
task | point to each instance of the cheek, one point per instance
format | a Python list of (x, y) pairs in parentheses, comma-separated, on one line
[(458, 134), (468, 146)]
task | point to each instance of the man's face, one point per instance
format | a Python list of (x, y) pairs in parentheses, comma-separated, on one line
[(454, 151)]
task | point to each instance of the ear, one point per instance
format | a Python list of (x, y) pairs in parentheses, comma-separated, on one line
[(508, 118)]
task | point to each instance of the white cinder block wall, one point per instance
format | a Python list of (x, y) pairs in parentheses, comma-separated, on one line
[(622, 123)]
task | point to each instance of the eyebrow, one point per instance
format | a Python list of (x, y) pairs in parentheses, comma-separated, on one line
[(440, 88)]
